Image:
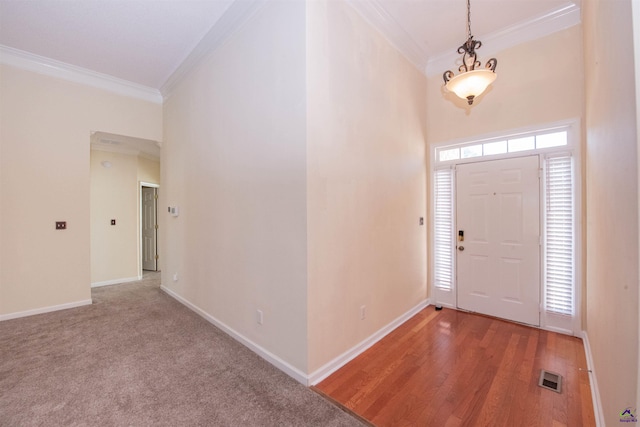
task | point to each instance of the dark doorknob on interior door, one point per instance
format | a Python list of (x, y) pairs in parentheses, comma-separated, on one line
[(461, 248)]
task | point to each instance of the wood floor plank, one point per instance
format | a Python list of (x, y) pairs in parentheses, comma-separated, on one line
[(451, 368), (523, 410)]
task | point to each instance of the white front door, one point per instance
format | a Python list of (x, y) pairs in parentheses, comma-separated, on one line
[(498, 254), (149, 229)]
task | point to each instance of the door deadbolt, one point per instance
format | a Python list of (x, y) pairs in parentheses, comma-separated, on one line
[(461, 248)]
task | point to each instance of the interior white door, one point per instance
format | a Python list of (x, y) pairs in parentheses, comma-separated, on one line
[(498, 262), (149, 229)]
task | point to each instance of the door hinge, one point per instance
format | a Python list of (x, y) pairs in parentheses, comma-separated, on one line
[(540, 240), (155, 196), (156, 226), (157, 256)]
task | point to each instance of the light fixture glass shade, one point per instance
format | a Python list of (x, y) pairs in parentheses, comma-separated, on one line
[(470, 84)]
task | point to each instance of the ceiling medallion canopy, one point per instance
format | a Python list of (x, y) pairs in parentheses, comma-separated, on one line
[(473, 80)]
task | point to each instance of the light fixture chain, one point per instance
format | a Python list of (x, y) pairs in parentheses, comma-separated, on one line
[(469, 19)]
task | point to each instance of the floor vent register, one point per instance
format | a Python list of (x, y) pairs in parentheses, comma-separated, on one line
[(550, 380)]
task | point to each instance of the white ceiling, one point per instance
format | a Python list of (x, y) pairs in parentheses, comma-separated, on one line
[(142, 41), (145, 41)]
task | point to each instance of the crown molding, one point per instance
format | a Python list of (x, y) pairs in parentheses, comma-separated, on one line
[(235, 17), (50, 67), (376, 15), (543, 25)]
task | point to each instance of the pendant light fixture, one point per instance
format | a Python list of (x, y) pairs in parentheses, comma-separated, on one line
[(471, 81)]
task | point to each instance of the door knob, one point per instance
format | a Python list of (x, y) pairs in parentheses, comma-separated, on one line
[(461, 248)]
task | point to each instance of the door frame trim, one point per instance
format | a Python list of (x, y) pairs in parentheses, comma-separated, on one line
[(140, 185)]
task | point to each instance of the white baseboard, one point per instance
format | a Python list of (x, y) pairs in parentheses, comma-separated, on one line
[(116, 281), (288, 369), (44, 310), (595, 393), (335, 364)]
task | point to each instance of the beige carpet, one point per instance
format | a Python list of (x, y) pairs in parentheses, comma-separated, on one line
[(136, 357)]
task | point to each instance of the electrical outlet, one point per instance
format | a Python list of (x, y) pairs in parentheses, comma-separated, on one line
[(363, 312), (259, 317), (421, 221)]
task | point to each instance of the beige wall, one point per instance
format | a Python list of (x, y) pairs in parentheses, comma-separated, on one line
[(526, 93), (612, 202), (115, 194), (148, 170), (45, 174), (296, 155), (286, 101), (234, 161), (366, 181), (538, 82)]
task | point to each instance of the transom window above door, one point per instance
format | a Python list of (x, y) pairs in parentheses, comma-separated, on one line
[(521, 144)]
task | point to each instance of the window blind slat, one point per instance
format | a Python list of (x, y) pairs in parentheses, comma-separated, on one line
[(443, 229), (559, 250)]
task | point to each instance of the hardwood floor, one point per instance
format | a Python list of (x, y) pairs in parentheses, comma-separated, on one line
[(450, 368)]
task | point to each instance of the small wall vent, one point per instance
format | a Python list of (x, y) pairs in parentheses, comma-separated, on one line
[(551, 381)]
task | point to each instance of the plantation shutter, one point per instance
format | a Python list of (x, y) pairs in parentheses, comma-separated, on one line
[(443, 229), (559, 250)]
